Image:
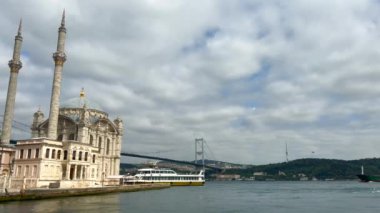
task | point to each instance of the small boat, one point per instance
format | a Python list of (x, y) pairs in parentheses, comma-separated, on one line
[(160, 175), (368, 178)]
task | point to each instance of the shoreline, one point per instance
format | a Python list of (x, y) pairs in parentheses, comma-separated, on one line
[(38, 194)]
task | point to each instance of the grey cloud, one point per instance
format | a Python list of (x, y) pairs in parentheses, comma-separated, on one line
[(172, 70)]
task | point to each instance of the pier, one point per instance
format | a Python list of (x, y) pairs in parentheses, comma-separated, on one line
[(37, 194)]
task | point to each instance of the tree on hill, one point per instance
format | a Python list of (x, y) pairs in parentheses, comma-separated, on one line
[(319, 168)]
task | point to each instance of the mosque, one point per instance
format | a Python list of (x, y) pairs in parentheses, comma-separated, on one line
[(74, 147)]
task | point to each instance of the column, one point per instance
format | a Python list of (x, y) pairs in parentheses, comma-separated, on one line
[(75, 172), (83, 172), (68, 166)]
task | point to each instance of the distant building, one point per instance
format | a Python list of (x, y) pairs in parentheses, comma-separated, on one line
[(259, 174), (227, 177), (303, 177)]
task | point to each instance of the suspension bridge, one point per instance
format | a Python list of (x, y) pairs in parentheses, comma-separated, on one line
[(170, 160), (24, 129)]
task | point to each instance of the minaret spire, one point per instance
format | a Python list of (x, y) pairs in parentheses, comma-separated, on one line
[(59, 58), (19, 28), (63, 19), (14, 65)]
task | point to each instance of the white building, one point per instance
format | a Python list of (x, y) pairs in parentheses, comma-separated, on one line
[(86, 152)]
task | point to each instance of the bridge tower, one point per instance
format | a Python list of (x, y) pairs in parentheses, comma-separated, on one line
[(199, 150)]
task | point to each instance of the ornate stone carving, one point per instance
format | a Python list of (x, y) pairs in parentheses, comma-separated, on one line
[(15, 65), (59, 58), (62, 29), (18, 37), (86, 117)]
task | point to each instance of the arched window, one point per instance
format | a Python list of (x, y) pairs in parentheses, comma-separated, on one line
[(91, 140), (47, 153), (85, 156), (80, 156), (37, 153), (100, 142), (21, 154), (65, 155), (72, 136), (29, 153), (93, 158), (59, 155), (108, 147), (60, 137), (74, 154), (53, 154)]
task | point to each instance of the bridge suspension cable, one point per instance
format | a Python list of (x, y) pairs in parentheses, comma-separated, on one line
[(211, 152), (168, 159), (21, 130)]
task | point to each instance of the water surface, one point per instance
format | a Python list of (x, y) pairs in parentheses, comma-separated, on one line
[(292, 197)]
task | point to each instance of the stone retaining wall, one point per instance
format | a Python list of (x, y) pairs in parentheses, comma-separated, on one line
[(36, 194)]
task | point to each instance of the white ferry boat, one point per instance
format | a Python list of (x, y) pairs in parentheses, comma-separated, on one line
[(159, 175)]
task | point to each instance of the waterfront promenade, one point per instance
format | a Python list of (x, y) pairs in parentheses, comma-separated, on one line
[(36, 194)]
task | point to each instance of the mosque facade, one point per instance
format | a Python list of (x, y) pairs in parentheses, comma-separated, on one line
[(76, 146)]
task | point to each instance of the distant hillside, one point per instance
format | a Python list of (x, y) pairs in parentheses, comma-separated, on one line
[(310, 167), (318, 168)]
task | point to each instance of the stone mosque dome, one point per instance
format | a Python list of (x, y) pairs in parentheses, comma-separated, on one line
[(80, 102)]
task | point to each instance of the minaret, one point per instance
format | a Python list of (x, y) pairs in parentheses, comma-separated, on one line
[(38, 118), (14, 65), (59, 58)]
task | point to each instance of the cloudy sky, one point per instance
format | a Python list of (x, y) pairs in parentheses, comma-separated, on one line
[(247, 76)]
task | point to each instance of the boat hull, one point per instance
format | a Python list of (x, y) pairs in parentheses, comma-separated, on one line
[(187, 183), (174, 183), (369, 178)]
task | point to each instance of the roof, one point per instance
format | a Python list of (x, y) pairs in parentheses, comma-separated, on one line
[(79, 102)]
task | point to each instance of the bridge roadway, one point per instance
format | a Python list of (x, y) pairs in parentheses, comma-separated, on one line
[(170, 160)]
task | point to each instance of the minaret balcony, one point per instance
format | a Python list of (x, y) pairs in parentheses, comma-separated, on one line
[(14, 65), (59, 57)]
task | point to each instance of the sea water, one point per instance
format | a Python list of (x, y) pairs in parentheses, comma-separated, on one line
[(236, 196)]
